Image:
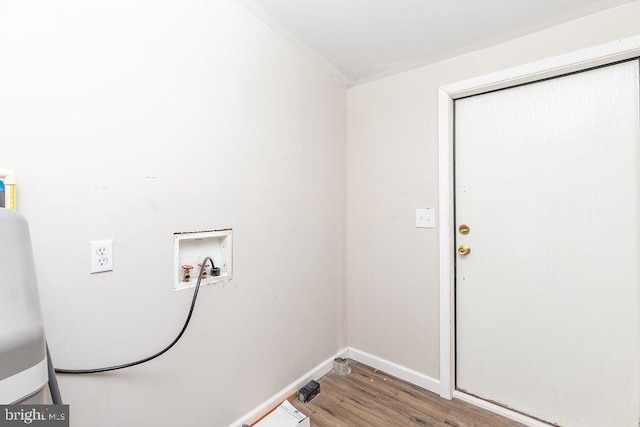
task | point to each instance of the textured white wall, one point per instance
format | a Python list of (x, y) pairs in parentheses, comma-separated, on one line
[(392, 168), (132, 120)]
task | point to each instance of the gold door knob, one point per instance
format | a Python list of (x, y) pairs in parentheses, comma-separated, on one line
[(464, 229), (464, 250)]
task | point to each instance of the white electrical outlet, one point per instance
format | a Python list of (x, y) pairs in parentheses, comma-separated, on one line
[(101, 256), (426, 218)]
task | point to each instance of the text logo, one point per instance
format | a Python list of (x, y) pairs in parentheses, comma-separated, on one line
[(34, 415)]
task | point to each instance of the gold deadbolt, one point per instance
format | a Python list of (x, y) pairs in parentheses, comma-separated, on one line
[(463, 229), (464, 250)]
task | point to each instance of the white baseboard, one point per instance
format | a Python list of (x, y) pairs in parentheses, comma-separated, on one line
[(275, 400), (516, 416), (391, 368)]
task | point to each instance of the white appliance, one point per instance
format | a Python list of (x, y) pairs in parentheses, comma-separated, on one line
[(23, 354)]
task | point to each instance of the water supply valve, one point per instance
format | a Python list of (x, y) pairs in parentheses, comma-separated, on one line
[(186, 275), (204, 270)]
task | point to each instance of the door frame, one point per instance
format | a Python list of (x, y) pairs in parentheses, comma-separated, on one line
[(573, 62)]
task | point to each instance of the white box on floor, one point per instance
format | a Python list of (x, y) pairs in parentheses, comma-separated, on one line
[(285, 415)]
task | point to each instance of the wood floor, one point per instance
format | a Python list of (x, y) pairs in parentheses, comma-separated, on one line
[(370, 398)]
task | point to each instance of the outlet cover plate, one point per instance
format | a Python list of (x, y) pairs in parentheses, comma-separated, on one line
[(101, 256), (426, 218)]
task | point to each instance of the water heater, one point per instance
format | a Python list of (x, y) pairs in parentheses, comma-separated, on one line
[(23, 367)]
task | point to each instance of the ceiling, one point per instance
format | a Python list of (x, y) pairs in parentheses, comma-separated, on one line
[(362, 40)]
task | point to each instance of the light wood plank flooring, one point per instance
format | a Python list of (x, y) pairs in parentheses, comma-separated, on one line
[(370, 398)]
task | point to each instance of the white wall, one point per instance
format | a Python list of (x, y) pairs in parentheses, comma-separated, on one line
[(392, 168), (132, 120)]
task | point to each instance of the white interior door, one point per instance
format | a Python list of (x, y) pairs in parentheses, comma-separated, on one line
[(547, 300)]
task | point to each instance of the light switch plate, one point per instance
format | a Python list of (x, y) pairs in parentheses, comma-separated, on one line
[(426, 218)]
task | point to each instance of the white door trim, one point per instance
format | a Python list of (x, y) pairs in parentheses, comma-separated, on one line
[(576, 61), (516, 416)]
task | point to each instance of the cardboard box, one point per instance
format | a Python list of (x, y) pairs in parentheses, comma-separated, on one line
[(285, 415)]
